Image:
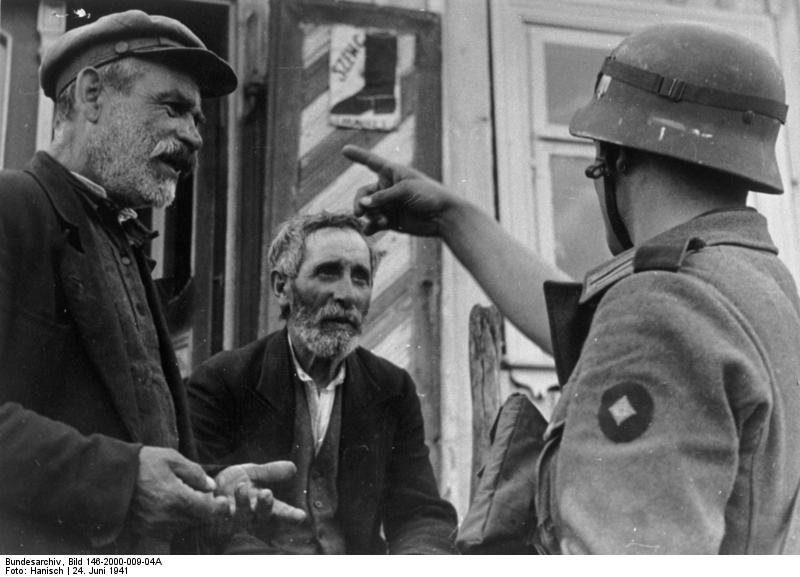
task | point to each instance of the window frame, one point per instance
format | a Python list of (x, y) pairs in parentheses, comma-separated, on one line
[(601, 40)]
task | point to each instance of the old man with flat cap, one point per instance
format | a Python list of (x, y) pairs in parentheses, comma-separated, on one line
[(96, 450)]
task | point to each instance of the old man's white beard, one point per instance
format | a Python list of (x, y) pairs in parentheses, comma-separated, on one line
[(129, 181), (327, 340), (162, 194)]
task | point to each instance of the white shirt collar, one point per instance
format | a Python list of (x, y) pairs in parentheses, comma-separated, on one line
[(93, 187), (97, 190)]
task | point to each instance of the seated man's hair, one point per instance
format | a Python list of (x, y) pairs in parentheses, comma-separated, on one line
[(288, 247)]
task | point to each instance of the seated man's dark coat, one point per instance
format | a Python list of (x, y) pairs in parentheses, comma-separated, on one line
[(243, 409)]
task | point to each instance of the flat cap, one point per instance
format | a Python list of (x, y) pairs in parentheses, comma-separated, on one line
[(134, 34)]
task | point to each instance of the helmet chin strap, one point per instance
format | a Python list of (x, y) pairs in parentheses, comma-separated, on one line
[(609, 163)]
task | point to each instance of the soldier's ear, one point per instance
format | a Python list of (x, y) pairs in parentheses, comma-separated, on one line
[(622, 161), (88, 87)]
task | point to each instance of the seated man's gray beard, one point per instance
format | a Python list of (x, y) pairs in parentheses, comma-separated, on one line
[(327, 341)]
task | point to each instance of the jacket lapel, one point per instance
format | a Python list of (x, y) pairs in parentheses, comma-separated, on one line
[(273, 413), (363, 423), (364, 450), (86, 292)]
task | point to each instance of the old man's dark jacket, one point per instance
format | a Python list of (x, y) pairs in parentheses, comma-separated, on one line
[(69, 429)]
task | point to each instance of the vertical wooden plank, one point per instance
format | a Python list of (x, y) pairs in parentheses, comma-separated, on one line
[(485, 355), (427, 267), (208, 236), (255, 157), (248, 43), (20, 24), (5, 76), (283, 134), (468, 170), (786, 18), (50, 24)]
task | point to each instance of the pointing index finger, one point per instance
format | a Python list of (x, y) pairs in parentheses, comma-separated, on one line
[(369, 159)]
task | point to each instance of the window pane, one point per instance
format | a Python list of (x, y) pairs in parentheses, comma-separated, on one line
[(570, 74), (580, 239)]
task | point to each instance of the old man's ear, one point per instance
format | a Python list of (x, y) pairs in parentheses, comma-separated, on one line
[(279, 283), (88, 87)]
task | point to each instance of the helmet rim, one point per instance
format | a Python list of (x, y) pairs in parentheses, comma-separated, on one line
[(739, 142)]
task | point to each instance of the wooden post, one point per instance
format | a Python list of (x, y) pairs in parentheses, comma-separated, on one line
[(485, 354), (51, 23)]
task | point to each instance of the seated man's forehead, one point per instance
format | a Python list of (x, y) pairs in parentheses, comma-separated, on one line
[(337, 245), (335, 237)]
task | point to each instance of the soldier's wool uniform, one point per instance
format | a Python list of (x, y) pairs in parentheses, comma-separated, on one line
[(678, 430)]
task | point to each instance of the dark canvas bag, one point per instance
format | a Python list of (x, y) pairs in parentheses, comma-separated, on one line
[(501, 516)]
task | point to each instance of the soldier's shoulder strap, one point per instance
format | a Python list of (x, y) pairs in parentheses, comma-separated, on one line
[(664, 256)]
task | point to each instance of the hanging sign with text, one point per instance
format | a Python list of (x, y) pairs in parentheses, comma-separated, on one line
[(364, 92)]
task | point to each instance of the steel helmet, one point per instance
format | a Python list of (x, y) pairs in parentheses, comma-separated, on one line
[(692, 92)]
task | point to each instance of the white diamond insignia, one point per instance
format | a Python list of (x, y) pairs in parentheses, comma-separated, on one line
[(622, 410)]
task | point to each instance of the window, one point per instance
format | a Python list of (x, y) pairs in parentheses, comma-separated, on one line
[(579, 239), (563, 64)]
